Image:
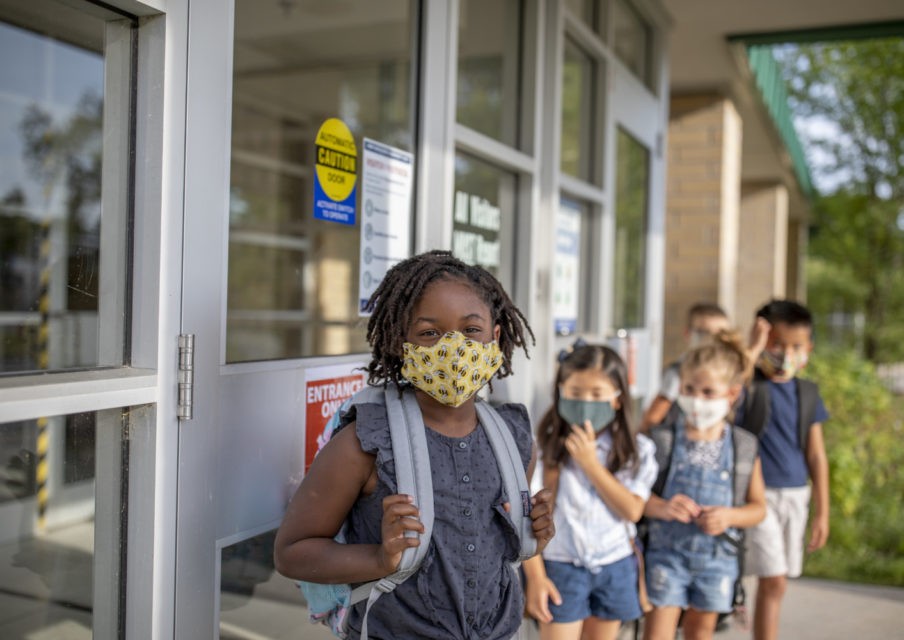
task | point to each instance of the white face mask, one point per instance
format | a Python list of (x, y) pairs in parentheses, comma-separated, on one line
[(704, 413)]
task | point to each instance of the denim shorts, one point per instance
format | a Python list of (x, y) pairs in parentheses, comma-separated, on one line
[(608, 594), (677, 579)]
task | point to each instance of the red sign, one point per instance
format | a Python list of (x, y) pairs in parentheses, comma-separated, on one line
[(322, 398)]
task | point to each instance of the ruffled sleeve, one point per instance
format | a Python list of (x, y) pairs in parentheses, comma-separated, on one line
[(372, 429), (517, 419)]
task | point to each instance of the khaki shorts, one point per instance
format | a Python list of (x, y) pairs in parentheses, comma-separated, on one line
[(775, 547)]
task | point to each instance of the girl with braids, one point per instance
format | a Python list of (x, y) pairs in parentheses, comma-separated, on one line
[(709, 487), (426, 308), (600, 472)]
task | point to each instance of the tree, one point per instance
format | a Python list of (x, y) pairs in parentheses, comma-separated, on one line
[(851, 97)]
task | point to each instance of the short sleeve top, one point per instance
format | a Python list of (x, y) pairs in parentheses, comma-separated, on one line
[(588, 532), (466, 586)]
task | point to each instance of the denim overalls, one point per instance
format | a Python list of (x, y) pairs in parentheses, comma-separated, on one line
[(686, 567)]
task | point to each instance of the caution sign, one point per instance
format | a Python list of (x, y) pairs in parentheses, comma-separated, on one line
[(336, 173)]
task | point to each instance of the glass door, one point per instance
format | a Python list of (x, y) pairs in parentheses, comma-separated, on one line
[(70, 404), (272, 276)]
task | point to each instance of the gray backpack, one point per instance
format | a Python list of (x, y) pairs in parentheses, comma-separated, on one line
[(330, 604)]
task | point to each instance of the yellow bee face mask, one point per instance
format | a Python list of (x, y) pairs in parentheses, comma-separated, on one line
[(451, 370)]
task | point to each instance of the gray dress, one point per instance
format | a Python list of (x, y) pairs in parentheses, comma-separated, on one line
[(466, 587)]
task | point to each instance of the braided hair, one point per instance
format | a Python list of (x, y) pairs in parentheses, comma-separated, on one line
[(392, 303)]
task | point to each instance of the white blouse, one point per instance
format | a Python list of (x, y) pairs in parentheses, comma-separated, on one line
[(588, 532)]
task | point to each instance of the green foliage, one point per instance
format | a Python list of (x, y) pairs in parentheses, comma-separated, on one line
[(865, 446), (852, 96)]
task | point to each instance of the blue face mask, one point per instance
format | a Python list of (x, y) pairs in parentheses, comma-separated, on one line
[(577, 412)]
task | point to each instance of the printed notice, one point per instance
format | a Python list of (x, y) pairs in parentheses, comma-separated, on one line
[(387, 175), (567, 268), (336, 171)]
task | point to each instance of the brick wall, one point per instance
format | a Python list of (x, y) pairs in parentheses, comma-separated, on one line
[(702, 210)]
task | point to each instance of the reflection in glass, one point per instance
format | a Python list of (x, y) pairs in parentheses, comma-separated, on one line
[(489, 64), (631, 203), (484, 214), (577, 112), (51, 118), (257, 602), (292, 279), (584, 10), (632, 39), (50, 569)]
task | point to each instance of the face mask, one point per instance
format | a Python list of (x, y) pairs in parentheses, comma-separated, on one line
[(451, 370), (704, 413), (578, 412), (781, 365)]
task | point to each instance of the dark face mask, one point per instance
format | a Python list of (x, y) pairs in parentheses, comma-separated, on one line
[(577, 412)]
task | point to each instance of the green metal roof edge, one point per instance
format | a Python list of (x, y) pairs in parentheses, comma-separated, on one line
[(891, 29), (769, 81)]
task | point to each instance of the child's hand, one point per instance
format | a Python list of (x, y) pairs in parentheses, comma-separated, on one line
[(713, 520), (581, 445), (537, 595), (542, 523), (819, 534), (681, 508), (399, 515), (759, 336)]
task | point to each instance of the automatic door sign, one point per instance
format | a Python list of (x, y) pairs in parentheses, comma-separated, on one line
[(336, 173)]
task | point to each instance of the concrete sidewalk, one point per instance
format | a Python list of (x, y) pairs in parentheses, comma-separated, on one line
[(825, 609)]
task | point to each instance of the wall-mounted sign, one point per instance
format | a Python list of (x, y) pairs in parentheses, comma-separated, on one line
[(567, 269), (387, 175), (325, 388), (336, 173)]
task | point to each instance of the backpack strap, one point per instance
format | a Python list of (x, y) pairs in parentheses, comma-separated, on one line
[(807, 398), (663, 436), (745, 446), (757, 405), (514, 479)]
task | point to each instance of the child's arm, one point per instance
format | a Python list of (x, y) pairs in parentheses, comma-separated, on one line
[(715, 520), (539, 589), (542, 523), (655, 413), (304, 548), (581, 446), (819, 474)]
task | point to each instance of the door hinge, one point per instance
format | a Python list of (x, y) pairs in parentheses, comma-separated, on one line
[(186, 375)]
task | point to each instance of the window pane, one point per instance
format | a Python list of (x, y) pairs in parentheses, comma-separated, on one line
[(632, 39), (57, 578), (52, 108), (577, 113), (485, 204), (489, 67), (631, 187), (293, 279)]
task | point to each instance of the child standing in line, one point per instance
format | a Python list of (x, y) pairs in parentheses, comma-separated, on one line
[(600, 473), (426, 307), (704, 320), (793, 453), (696, 510)]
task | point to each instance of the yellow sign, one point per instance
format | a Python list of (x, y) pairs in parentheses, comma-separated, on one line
[(337, 160)]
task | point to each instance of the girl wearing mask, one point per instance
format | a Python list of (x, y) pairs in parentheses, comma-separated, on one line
[(710, 487), (600, 472)]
